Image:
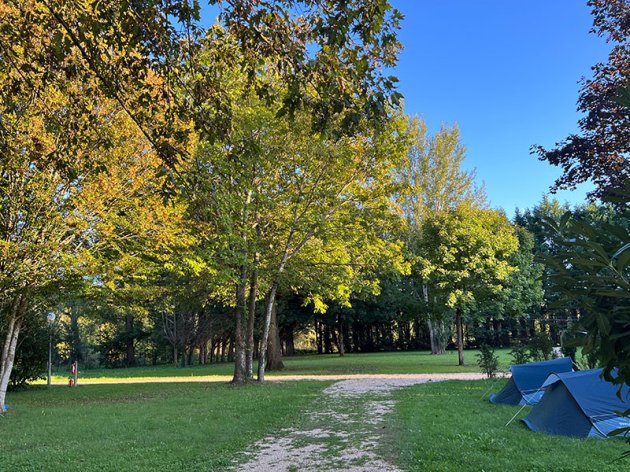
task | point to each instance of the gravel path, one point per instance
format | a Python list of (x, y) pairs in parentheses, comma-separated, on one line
[(344, 431)]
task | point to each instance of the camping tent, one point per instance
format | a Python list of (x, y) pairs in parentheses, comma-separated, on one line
[(579, 404), (525, 385)]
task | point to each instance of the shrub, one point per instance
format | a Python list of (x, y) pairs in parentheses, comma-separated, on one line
[(520, 354), (31, 356), (487, 360), (541, 347)]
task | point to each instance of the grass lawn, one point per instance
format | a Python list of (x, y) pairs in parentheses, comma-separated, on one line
[(372, 363), (152, 427), (446, 426)]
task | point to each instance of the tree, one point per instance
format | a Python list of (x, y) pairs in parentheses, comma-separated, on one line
[(435, 182), (276, 196), (54, 219), (600, 153), (466, 256), (592, 267), (329, 58)]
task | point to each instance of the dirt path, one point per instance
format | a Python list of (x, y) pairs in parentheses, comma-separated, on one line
[(344, 431)]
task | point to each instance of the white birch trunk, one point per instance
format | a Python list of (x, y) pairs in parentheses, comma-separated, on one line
[(8, 357), (262, 355)]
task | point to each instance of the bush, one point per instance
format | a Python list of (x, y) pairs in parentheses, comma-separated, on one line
[(487, 360), (520, 354), (541, 347), (31, 356), (588, 361)]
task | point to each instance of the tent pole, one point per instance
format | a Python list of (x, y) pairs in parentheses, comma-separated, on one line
[(517, 413)]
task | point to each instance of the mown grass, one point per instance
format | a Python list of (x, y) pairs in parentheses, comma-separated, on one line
[(146, 427), (331, 364), (446, 426)]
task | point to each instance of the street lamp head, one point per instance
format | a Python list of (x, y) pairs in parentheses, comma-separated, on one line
[(50, 317)]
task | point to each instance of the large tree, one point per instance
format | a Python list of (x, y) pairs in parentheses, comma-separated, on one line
[(277, 198), (435, 182), (53, 218), (466, 255), (601, 151), (330, 59)]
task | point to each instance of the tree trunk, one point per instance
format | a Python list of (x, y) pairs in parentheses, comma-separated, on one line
[(251, 319), (75, 335), (262, 355), (460, 335), (327, 341), (434, 349), (434, 337), (10, 345), (191, 351), (274, 350), (338, 337), (240, 373), (175, 341), (131, 352), (318, 337)]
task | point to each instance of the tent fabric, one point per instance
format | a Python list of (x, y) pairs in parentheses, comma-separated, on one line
[(524, 388), (579, 404)]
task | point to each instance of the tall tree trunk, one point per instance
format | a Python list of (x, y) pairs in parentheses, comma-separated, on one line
[(347, 340), (274, 350), (251, 319), (327, 341), (131, 353), (435, 337), (434, 347), (10, 345), (262, 355), (175, 341), (240, 374), (319, 337), (460, 335), (75, 335), (338, 337), (191, 351)]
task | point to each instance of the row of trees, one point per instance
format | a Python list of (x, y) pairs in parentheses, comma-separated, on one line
[(149, 163), (434, 255), (165, 184)]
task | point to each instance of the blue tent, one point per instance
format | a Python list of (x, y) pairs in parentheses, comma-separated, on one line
[(579, 404), (524, 388)]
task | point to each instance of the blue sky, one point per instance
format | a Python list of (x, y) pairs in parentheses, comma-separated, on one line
[(507, 72)]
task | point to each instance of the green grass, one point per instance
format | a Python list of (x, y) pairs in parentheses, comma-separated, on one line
[(331, 364), (446, 426), (152, 427)]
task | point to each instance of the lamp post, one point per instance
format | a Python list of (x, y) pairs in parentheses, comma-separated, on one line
[(51, 319)]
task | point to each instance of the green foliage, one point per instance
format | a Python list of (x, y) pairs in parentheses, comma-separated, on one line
[(520, 353), (488, 361), (592, 272), (31, 357), (540, 347), (466, 254)]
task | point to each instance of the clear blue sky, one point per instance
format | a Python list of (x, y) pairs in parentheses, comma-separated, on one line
[(507, 72)]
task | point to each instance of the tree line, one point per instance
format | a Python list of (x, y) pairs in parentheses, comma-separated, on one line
[(190, 194)]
